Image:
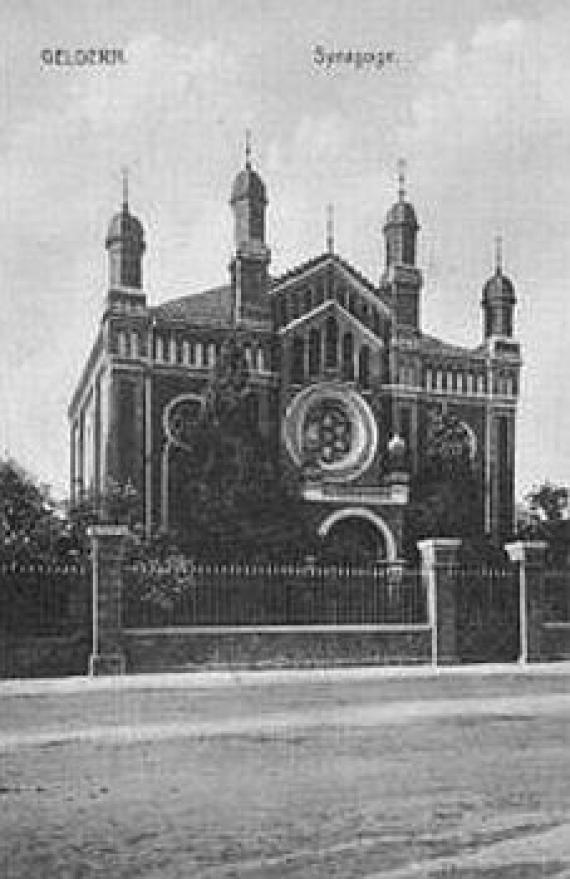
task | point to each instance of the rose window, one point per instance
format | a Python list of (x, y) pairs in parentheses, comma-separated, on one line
[(332, 427), (327, 432)]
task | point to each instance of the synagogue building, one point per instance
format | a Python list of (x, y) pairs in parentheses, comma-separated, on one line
[(343, 378)]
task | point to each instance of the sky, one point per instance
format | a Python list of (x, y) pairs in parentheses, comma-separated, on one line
[(476, 102)]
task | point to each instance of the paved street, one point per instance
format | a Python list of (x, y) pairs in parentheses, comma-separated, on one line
[(373, 774)]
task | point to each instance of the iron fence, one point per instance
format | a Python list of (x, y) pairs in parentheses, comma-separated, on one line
[(487, 612), (38, 599), (272, 594), (556, 596)]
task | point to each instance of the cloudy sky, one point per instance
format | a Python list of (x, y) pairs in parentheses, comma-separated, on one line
[(477, 103)]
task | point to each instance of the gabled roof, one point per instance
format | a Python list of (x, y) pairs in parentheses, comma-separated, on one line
[(210, 308), (309, 266), (331, 305)]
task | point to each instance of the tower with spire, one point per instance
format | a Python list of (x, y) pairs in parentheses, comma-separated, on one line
[(498, 300), (401, 280), (343, 383), (126, 245), (249, 266)]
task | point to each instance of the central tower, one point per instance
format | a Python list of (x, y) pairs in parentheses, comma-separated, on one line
[(249, 266), (401, 279)]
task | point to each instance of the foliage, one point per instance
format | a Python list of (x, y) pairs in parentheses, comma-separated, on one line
[(446, 497), (546, 516), (31, 527), (35, 529), (229, 495), (448, 450)]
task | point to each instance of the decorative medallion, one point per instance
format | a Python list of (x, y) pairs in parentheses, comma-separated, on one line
[(332, 427)]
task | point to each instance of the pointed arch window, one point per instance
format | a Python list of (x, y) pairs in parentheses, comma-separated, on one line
[(134, 345), (376, 321), (331, 343), (314, 352), (122, 343), (298, 364), (348, 356), (364, 366), (295, 311), (159, 349)]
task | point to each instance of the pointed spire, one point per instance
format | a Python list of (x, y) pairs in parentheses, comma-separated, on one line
[(125, 176), (401, 179), (498, 254), (330, 228), (248, 148)]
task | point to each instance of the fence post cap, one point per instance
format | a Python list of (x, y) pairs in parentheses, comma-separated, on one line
[(524, 550), (443, 542), (108, 531)]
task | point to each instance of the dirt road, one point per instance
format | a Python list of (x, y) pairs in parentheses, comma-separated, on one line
[(455, 775)]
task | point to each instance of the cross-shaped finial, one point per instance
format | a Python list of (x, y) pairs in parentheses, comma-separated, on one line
[(248, 148), (125, 176), (401, 179), (330, 228), (499, 254)]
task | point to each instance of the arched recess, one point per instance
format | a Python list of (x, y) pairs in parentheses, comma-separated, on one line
[(370, 516)]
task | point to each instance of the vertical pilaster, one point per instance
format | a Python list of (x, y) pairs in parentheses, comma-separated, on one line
[(530, 556), (439, 561), (107, 554)]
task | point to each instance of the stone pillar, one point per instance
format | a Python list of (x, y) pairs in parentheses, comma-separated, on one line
[(439, 560), (530, 556), (107, 552)]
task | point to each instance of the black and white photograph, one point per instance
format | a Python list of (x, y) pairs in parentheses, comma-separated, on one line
[(284, 477)]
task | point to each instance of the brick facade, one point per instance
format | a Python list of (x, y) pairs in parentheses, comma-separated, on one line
[(321, 332)]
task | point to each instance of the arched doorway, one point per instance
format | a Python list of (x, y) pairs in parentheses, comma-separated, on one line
[(357, 533)]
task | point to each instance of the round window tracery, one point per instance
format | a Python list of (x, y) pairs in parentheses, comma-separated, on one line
[(331, 426), (327, 432)]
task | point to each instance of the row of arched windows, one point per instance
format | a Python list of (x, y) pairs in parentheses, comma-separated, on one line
[(453, 381), (329, 349), (185, 352), (290, 306)]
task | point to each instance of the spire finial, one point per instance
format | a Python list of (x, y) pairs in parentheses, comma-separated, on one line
[(125, 176), (248, 147), (499, 254), (330, 228), (401, 179)]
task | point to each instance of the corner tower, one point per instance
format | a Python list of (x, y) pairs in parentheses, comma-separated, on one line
[(125, 245), (401, 279), (498, 301), (249, 266)]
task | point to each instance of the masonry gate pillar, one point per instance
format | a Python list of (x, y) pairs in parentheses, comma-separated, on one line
[(530, 556), (107, 551), (439, 561)]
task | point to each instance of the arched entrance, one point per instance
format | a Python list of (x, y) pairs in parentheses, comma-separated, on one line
[(357, 532)]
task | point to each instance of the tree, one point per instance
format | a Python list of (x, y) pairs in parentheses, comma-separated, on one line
[(228, 492), (32, 528), (546, 517), (446, 497)]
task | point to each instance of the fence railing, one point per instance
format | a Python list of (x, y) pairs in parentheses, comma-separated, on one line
[(42, 599), (556, 596), (272, 594)]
